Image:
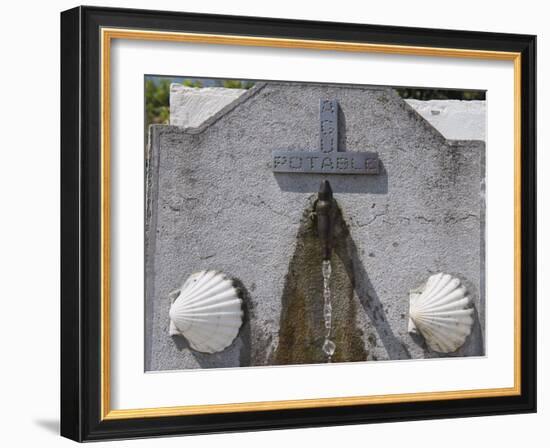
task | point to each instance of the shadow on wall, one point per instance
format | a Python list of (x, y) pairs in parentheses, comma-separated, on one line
[(350, 183), (395, 348), (302, 328), (346, 249)]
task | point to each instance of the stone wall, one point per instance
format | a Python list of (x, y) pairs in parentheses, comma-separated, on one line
[(455, 119), (213, 202)]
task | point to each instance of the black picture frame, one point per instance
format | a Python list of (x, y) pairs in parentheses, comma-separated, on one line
[(81, 224)]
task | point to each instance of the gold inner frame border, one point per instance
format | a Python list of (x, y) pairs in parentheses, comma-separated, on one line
[(107, 36)]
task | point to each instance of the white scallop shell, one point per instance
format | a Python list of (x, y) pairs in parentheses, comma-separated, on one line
[(207, 311), (442, 313)]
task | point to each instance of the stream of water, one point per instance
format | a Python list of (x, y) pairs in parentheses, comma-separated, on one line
[(328, 346)]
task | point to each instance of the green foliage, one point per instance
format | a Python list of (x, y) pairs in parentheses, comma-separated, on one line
[(157, 97), (236, 84), (192, 83), (157, 94), (439, 94)]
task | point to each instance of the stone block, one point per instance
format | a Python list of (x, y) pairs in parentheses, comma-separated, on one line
[(190, 106), (214, 202), (455, 119)]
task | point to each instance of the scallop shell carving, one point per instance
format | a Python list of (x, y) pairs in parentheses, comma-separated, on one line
[(442, 313), (207, 311)]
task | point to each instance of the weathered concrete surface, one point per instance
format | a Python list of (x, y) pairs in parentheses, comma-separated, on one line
[(214, 203), (190, 106), (455, 119)]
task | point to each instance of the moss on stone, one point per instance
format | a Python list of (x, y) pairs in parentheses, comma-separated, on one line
[(302, 328)]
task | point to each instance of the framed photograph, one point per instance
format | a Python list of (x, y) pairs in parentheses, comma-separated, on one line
[(275, 224)]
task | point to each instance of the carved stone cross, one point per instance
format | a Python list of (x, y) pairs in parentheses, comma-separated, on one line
[(327, 160)]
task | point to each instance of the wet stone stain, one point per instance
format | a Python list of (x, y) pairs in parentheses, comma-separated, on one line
[(302, 329)]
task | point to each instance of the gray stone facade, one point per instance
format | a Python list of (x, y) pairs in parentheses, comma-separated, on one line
[(213, 202)]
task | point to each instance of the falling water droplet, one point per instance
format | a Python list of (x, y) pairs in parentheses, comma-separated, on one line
[(327, 270), (329, 347)]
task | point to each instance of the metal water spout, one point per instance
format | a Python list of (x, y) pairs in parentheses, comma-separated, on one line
[(324, 213)]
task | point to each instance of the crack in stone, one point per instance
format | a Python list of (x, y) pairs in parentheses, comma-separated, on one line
[(454, 219), (446, 219), (264, 204), (423, 219), (407, 220), (369, 222), (398, 220)]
